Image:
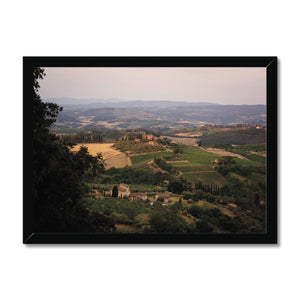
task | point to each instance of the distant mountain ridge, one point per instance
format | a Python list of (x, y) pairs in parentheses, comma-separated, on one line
[(112, 102)]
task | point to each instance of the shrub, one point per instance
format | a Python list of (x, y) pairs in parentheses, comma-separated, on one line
[(203, 226), (121, 219), (196, 211), (198, 195), (187, 195)]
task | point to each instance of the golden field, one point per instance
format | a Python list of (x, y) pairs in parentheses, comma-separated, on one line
[(111, 156)]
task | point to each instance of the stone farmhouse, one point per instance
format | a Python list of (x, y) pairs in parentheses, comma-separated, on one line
[(123, 191), (138, 196)]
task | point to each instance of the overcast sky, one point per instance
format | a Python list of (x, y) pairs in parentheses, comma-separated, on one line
[(218, 85)]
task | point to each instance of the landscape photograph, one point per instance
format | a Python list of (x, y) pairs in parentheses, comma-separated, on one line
[(161, 150)]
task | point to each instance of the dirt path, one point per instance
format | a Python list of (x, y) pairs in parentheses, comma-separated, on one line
[(261, 153), (222, 152)]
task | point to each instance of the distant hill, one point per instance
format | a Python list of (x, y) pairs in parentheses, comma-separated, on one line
[(122, 102), (88, 114)]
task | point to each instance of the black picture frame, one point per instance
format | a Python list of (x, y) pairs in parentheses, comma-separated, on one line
[(270, 237)]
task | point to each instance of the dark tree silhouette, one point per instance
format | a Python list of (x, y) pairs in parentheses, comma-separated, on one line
[(115, 191), (58, 175), (175, 187)]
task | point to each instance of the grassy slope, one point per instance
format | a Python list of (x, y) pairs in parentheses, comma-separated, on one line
[(200, 166), (142, 159)]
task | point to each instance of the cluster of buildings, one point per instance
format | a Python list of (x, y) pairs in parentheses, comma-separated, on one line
[(124, 192), (150, 138)]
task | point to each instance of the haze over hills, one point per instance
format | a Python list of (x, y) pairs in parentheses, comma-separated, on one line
[(99, 114), (114, 102)]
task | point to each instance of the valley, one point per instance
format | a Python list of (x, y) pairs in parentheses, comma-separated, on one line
[(201, 185)]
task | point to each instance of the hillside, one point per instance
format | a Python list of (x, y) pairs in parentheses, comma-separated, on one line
[(154, 114)]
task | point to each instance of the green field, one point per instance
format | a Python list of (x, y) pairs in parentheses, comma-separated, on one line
[(142, 159), (200, 166), (135, 188), (197, 156), (187, 167), (205, 177), (116, 205), (248, 162)]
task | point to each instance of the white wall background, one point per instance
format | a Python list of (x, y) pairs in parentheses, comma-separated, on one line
[(148, 28)]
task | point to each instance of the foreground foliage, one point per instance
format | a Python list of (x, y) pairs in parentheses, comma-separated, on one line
[(59, 175)]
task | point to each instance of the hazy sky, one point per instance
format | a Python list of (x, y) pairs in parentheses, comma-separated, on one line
[(218, 85)]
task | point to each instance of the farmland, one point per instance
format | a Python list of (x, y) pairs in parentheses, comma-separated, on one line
[(138, 160), (111, 156), (182, 140), (217, 188)]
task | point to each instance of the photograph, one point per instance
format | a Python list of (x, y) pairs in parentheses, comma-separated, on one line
[(150, 150)]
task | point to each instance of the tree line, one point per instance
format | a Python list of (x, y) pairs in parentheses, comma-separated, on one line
[(81, 137)]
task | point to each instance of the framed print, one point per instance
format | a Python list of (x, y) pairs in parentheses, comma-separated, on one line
[(165, 150)]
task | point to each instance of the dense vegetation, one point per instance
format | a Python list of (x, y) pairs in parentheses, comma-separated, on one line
[(59, 176), (131, 175), (82, 137), (237, 136), (254, 152)]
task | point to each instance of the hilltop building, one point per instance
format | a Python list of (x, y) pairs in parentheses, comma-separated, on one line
[(123, 191), (149, 137)]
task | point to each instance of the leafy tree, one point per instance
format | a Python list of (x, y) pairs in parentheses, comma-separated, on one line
[(198, 185), (256, 199), (196, 211), (203, 226), (175, 187), (233, 187), (199, 143), (187, 195), (198, 195), (58, 174), (167, 220), (176, 151)]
